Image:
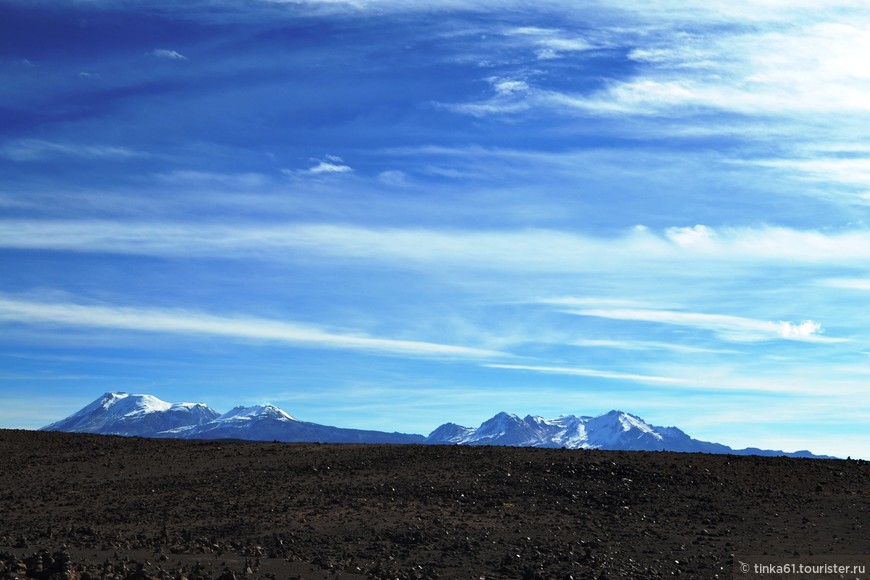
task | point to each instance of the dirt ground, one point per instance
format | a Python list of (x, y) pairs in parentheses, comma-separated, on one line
[(85, 507)]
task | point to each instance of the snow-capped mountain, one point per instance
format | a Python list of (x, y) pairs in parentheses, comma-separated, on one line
[(450, 433), (269, 423), (259, 419), (140, 415), (615, 430), (148, 416)]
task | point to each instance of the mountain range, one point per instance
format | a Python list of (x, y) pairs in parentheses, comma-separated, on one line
[(126, 414)]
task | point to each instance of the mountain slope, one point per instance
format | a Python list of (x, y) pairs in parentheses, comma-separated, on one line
[(134, 415), (148, 416), (269, 423), (615, 430)]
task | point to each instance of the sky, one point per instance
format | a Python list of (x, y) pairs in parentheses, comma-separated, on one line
[(390, 214)]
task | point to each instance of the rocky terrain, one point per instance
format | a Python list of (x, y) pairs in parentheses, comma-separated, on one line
[(95, 506)]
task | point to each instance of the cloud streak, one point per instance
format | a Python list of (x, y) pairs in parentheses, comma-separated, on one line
[(592, 373), (37, 149), (167, 54), (861, 284), (183, 322), (647, 345), (329, 165), (732, 328), (532, 249), (757, 66), (551, 43)]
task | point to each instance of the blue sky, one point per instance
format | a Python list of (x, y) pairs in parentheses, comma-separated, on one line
[(390, 214)]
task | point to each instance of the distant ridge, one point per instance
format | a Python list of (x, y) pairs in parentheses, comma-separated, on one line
[(615, 430), (134, 415), (120, 413), (147, 416)]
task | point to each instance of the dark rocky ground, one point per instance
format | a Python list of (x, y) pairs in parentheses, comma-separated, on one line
[(83, 506)]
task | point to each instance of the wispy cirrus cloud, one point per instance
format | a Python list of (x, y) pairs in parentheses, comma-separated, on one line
[(36, 149), (744, 62), (593, 301), (733, 328), (331, 166), (592, 373), (328, 165), (167, 54), (635, 97), (186, 322), (531, 249), (849, 173), (551, 43), (713, 379), (211, 178), (647, 345), (861, 284)]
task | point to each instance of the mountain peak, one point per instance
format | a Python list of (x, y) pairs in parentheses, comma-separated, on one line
[(120, 413), (243, 413), (499, 421), (113, 395), (451, 433), (612, 430)]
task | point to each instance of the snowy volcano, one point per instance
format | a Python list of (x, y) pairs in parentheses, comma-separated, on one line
[(140, 415), (615, 430), (269, 423), (148, 416)]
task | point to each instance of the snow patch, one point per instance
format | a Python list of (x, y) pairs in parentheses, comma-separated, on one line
[(242, 413)]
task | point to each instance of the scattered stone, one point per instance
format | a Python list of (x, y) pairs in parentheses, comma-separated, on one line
[(114, 508)]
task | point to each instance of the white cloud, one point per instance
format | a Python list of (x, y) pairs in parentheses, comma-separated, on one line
[(687, 54), (551, 43), (529, 250), (329, 165), (36, 149), (734, 328), (805, 330), (167, 54), (699, 235), (708, 379), (647, 345), (852, 172), (862, 284), (636, 97), (510, 97), (591, 373), (591, 301), (233, 180), (186, 322), (507, 86), (767, 61)]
